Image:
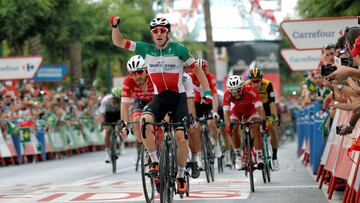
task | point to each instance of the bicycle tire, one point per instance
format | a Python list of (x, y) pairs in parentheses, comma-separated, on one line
[(147, 179), (113, 151), (138, 158), (264, 171), (211, 157), (205, 156), (220, 165), (187, 193), (250, 164), (164, 165)]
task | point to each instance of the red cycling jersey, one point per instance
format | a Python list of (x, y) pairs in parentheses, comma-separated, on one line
[(199, 90), (247, 104), (131, 90)]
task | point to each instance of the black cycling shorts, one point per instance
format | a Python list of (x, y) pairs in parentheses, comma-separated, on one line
[(112, 117), (139, 105), (168, 101), (202, 108)]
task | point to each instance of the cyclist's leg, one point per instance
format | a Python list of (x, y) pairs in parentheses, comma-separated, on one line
[(109, 117), (136, 126), (194, 141), (199, 112), (181, 111), (275, 144), (152, 112), (255, 132)]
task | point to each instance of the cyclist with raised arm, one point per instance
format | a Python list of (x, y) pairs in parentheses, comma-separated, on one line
[(203, 108), (164, 60), (137, 90), (267, 96), (110, 113), (246, 106)]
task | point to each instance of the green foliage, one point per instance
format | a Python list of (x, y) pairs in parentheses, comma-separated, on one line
[(328, 8), (21, 20)]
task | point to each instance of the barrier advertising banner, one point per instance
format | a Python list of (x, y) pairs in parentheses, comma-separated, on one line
[(302, 60), (315, 33), (12, 68), (54, 73)]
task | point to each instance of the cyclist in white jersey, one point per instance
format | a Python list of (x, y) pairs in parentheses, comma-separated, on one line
[(110, 112), (165, 61)]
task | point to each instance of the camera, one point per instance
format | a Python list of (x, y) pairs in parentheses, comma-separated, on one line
[(327, 69)]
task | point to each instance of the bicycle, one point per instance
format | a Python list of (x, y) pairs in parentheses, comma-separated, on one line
[(168, 158), (208, 154), (149, 182), (267, 150), (249, 157), (115, 145), (220, 160)]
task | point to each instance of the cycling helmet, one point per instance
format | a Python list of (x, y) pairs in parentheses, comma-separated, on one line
[(255, 73), (202, 63), (116, 92), (158, 22), (235, 82), (135, 63)]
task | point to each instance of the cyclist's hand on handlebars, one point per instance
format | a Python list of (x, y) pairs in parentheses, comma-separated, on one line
[(275, 121), (215, 115), (114, 21), (207, 97)]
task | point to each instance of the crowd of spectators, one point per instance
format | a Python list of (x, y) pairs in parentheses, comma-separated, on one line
[(336, 85), (25, 100)]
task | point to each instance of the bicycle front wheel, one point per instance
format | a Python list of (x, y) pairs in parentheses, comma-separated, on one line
[(205, 156), (250, 163), (165, 187), (147, 179), (113, 151)]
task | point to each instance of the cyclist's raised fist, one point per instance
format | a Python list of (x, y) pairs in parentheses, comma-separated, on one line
[(114, 21)]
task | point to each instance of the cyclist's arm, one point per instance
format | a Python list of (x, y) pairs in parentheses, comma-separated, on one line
[(226, 108), (271, 96), (191, 106), (118, 38), (125, 111), (200, 75), (213, 87)]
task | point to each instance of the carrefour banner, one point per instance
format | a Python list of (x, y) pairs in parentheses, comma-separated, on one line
[(50, 73), (12, 68)]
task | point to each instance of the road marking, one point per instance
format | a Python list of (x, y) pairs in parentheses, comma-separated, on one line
[(104, 175), (285, 186)]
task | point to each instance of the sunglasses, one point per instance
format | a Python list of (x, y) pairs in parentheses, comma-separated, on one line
[(139, 72), (161, 30), (255, 81)]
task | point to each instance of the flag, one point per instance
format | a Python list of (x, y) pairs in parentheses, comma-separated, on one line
[(25, 135)]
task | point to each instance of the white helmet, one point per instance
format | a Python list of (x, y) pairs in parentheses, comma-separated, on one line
[(234, 82), (156, 22), (136, 63)]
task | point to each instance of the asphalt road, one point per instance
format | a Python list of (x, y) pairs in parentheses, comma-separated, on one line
[(86, 178)]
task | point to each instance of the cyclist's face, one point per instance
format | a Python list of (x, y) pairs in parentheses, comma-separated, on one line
[(256, 83), (139, 76), (159, 35), (237, 93)]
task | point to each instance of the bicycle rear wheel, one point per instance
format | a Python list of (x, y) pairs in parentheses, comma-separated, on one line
[(147, 180), (113, 151)]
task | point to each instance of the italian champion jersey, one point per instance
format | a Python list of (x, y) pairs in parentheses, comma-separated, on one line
[(165, 66), (131, 90)]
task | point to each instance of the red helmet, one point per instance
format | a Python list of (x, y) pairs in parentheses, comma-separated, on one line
[(202, 63)]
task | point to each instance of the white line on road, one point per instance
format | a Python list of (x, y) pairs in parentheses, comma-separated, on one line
[(286, 186), (104, 175)]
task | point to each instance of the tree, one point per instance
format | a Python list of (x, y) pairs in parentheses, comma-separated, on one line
[(209, 38), (20, 21), (328, 8)]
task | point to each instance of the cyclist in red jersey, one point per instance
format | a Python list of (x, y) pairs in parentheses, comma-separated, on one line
[(138, 90), (165, 61), (202, 108), (246, 106)]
